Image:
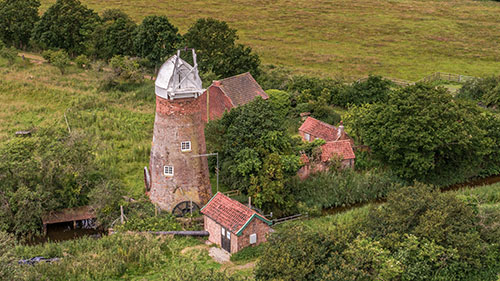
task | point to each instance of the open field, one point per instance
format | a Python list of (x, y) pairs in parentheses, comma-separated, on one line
[(405, 39)]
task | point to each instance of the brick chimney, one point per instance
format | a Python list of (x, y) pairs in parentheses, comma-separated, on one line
[(216, 83), (340, 131)]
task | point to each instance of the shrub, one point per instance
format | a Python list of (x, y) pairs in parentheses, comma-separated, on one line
[(8, 269), (82, 61), (17, 19), (339, 188), (485, 90), (10, 54), (108, 258)]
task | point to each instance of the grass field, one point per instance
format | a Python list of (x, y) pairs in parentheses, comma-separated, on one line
[(405, 39), (120, 124)]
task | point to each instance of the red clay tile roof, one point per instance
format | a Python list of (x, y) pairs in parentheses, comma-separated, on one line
[(241, 89), (319, 129), (342, 148), (230, 213)]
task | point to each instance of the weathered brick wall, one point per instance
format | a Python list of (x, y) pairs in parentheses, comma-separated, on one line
[(256, 226), (177, 121), (217, 105), (214, 229)]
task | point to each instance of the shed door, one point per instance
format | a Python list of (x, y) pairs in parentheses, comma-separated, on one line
[(225, 239)]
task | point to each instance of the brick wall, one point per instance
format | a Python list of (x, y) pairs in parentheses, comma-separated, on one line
[(177, 121), (217, 105), (256, 226), (214, 230)]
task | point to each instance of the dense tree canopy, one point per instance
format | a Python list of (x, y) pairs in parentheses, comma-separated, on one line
[(256, 153), (215, 43), (419, 234), (156, 39), (422, 133), (17, 18), (114, 36), (47, 171), (66, 25)]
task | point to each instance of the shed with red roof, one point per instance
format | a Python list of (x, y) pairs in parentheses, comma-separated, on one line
[(232, 225)]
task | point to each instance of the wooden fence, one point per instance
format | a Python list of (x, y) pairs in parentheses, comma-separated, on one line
[(232, 193), (441, 76), (287, 219), (437, 76)]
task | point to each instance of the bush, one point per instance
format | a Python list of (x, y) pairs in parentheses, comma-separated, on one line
[(82, 61), (8, 269), (485, 90), (339, 188), (110, 257), (10, 54)]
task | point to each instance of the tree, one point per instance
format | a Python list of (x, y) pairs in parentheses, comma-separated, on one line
[(17, 19), (156, 39), (60, 59), (211, 38), (375, 89), (61, 174), (422, 133), (485, 90), (66, 25), (114, 36), (280, 100), (215, 43), (256, 153)]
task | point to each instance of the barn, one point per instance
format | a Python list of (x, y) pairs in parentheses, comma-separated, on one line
[(232, 225)]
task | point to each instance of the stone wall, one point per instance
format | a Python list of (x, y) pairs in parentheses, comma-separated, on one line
[(177, 121)]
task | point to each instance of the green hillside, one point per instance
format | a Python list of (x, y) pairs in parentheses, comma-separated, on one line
[(120, 124), (405, 39)]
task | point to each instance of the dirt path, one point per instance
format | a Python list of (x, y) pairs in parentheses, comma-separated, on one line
[(32, 57)]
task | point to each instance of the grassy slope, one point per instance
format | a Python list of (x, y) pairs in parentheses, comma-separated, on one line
[(400, 38), (120, 124)]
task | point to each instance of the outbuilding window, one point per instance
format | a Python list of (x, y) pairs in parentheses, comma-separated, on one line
[(185, 146), (253, 238), (168, 171), (307, 136)]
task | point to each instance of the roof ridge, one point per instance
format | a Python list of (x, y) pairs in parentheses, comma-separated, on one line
[(235, 76)]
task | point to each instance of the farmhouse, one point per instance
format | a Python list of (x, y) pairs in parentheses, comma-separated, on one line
[(313, 129), (227, 93), (232, 225), (338, 145)]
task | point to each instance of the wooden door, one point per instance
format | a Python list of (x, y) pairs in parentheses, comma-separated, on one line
[(225, 239)]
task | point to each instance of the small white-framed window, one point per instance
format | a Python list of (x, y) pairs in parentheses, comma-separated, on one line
[(307, 137), (228, 235), (185, 146), (168, 171), (223, 231), (253, 238)]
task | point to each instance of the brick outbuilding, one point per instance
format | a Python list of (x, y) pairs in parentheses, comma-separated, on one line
[(232, 225), (227, 93)]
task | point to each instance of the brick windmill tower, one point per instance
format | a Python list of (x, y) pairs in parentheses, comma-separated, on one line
[(178, 179)]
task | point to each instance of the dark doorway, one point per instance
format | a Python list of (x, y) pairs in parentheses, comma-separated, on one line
[(225, 239)]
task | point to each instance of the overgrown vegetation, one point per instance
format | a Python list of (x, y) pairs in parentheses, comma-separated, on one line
[(423, 133), (419, 234), (486, 91)]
